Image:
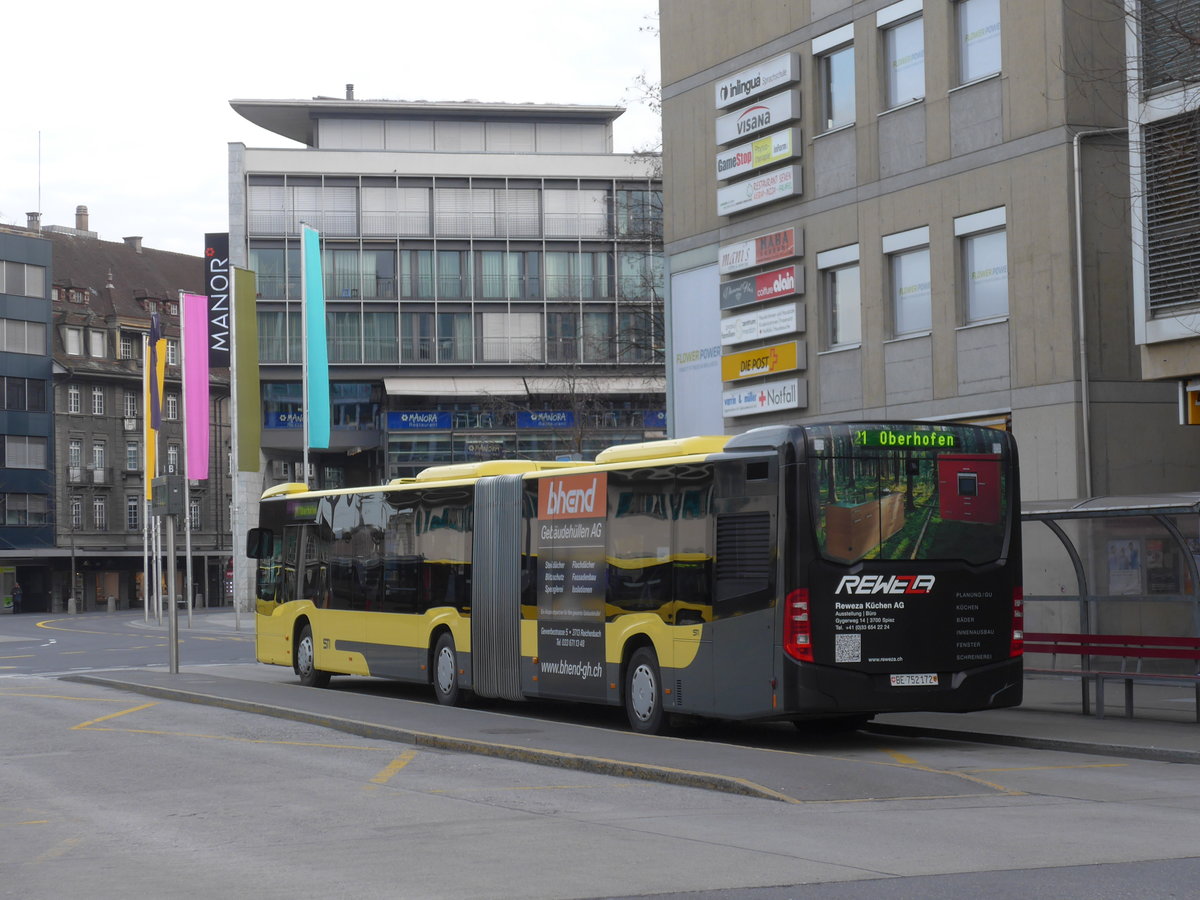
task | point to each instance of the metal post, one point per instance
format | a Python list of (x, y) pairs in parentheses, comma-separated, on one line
[(71, 603), (173, 615)]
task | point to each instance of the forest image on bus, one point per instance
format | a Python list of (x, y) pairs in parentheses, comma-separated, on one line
[(830, 571)]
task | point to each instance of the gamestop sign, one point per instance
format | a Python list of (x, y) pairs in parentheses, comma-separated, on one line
[(757, 154)]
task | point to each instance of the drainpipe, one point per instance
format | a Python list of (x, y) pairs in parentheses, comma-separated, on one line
[(1085, 391)]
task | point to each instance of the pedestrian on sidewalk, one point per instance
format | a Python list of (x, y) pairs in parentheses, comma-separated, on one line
[(16, 595)]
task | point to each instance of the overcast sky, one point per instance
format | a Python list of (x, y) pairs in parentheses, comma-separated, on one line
[(131, 99)]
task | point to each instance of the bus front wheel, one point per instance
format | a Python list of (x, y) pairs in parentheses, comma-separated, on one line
[(304, 663), (445, 672), (643, 693)]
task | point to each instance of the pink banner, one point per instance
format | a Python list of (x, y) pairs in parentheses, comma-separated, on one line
[(195, 384)]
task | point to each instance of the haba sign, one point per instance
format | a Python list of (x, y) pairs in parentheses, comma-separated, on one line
[(758, 79), (571, 584), (758, 251), (217, 287), (784, 357)]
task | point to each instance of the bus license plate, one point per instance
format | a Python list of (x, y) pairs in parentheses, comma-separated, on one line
[(909, 680)]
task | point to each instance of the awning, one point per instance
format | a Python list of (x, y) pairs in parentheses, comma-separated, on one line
[(516, 385)]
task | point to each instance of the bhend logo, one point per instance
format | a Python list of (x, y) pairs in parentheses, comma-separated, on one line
[(573, 497), (880, 584)]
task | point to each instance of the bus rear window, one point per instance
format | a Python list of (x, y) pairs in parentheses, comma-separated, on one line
[(911, 492)]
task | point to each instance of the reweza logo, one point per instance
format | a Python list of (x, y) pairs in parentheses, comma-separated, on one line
[(881, 584)]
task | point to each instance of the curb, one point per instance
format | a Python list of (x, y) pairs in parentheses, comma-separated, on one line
[(599, 765)]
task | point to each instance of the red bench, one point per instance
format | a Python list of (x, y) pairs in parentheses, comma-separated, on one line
[(1123, 646)]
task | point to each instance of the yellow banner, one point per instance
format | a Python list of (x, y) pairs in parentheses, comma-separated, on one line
[(762, 361)]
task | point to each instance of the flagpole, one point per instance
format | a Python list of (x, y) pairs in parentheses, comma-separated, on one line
[(304, 346), (145, 499), (235, 457), (187, 492)]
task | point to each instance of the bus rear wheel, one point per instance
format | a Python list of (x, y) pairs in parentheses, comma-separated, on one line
[(643, 693), (304, 662), (445, 672)]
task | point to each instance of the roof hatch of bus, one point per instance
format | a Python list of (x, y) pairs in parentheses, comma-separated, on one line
[(689, 446), (462, 471), (292, 487)]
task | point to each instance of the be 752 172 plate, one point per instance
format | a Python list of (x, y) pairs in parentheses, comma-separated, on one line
[(914, 680)]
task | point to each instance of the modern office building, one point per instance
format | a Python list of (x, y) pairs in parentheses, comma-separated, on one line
[(85, 497), (492, 282), (26, 423), (921, 210)]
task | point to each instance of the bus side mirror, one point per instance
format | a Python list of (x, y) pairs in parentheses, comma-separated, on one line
[(259, 543)]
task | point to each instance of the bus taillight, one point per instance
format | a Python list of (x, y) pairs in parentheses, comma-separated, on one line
[(1017, 647), (797, 631)]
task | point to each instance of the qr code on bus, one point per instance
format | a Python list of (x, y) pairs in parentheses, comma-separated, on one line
[(848, 648)]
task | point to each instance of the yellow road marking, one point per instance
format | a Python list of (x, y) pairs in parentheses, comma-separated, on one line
[(237, 740), (123, 712), (1051, 768), (385, 774), (30, 822), (63, 697), (909, 763), (55, 852), (22, 656)]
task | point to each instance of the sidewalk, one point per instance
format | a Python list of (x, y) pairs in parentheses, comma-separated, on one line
[(1164, 725)]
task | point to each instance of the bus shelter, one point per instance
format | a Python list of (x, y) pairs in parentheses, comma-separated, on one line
[(1113, 565)]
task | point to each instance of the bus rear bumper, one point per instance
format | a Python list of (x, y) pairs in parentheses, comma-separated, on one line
[(815, 691)]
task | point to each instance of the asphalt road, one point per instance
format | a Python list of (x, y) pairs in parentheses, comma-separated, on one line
[(109, 793)]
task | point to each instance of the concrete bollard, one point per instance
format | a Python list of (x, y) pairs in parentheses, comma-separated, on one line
[(112, 605), (71, 605)]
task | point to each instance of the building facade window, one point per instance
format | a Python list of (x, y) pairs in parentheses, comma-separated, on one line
[(983, 256), (24, 509), (131, 405), (910, 289), (133, 512), (129, 345), (24, 452), (73, 341), (903, 52), (75, 453), (98, 454), (173, 459), (21, 336), (978, 39), (22, 279), (76, 513), (194, 512), (172, 351), (834, 54), (97, 401), (97, 341), (22, 394), (133, 456), (74, 399), (1169, 49), (171, 406), (99, 513), (841, 297)]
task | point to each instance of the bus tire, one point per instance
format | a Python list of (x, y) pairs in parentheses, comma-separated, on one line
[(445, 672), (304, 661), (643, 693)]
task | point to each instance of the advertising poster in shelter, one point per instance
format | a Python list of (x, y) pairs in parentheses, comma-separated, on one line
[(571, 585)]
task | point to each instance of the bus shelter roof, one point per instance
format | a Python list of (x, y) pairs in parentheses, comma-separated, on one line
[(1110, 507)]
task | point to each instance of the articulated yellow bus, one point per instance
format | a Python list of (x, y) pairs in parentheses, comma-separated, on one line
[(829, 571)]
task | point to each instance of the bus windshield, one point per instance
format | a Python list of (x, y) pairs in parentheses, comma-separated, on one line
[(908, 492)]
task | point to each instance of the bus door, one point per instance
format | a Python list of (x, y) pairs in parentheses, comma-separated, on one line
[(745, 562)]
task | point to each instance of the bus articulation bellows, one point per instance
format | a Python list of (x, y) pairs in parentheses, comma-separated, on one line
[(830, 571)]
